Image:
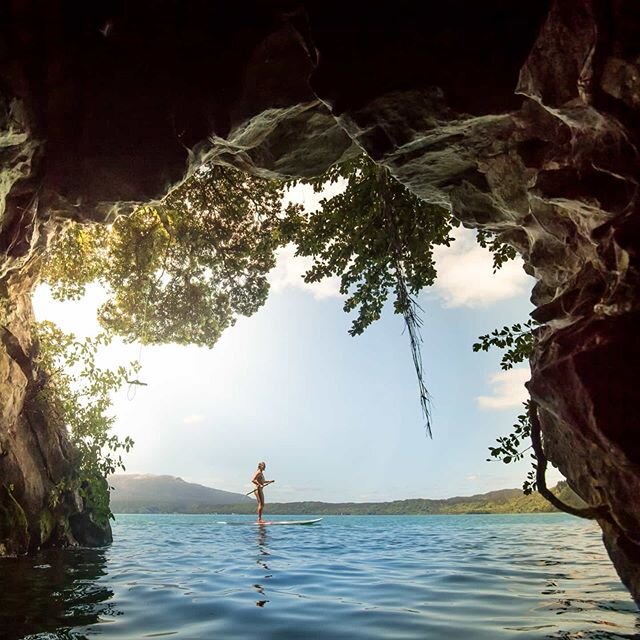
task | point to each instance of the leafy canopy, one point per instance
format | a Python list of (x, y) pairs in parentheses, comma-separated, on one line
[(376, 236), (181, 271)]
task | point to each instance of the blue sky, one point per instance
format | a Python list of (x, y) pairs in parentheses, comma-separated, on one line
[(336, 418)]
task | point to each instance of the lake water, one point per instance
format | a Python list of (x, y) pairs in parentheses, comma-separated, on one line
[(453, 577)]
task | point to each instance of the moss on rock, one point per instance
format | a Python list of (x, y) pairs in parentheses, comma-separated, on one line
[(14, 527), (46, 525)]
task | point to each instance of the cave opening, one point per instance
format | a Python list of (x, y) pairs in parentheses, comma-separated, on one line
[(520, 122)]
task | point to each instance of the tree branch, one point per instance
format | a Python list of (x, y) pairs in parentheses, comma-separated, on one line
[(590, 513)]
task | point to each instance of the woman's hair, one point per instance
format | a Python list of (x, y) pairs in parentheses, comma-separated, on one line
[(262, 464)]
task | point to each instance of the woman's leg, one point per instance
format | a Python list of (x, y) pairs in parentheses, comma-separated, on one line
[(260, 497)]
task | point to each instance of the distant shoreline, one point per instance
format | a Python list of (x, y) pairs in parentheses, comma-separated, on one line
[(143, 495)]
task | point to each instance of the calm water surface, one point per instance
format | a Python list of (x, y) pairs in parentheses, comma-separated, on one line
[(466, 577)]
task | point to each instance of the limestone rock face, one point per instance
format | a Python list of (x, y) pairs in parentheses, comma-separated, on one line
[(522, 117)]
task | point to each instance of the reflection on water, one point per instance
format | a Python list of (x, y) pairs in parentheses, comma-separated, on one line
[(54, 590), (355, 578), (263, 554)]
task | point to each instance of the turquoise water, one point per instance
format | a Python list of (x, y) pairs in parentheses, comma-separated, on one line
[(454, 577)]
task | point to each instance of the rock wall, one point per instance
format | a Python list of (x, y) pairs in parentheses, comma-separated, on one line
[(522, 117), (34, 455)]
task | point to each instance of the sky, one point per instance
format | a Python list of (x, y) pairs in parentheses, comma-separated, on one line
[(335, 418)]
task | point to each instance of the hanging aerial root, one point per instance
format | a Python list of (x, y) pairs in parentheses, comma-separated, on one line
[(405, 301)]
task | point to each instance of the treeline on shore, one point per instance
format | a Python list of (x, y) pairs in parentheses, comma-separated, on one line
[(504, 501)]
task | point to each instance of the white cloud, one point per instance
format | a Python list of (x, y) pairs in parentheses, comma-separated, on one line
[(508, 389), (195, 418), (289, 271), (466, 278), (305, 195)]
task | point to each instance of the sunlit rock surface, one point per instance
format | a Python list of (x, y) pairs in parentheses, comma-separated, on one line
[(523, 117)]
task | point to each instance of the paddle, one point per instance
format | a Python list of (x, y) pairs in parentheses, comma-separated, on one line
[(264, 485)]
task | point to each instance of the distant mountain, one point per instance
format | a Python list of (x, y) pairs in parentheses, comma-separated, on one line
[(167, 494), (132, 493)]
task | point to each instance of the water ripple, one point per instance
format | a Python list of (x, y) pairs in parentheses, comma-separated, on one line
[(458, 577)]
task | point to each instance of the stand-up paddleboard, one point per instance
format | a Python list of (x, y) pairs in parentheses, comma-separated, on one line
[(272, 522)]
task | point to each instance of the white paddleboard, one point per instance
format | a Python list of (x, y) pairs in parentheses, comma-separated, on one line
[(272, 522)]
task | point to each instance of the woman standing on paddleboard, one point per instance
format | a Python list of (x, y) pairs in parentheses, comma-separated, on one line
[(260, 482)]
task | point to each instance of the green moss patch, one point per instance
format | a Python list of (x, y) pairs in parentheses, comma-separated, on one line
[(14, 527)]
